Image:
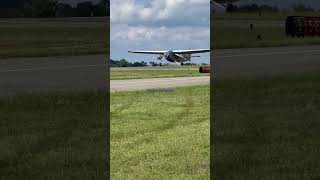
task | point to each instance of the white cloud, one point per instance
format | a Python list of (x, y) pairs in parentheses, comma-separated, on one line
[(158, 25), (167, 11), (142, 33)]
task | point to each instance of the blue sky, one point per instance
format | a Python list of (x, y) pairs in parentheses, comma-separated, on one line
[(159, 25)]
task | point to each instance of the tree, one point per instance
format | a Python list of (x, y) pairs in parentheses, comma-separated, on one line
[(301, 8), (249, 8), (11, 8), (153, 63), (231, 7), (40, 8), (269, 8), (102, 8), (224, 1), (123, 63), (64, 10), (84, 9)]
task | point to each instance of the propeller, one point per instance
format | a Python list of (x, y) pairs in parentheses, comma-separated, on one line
[(160, 58)]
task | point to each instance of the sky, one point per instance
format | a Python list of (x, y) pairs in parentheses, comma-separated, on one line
[(158, 25)]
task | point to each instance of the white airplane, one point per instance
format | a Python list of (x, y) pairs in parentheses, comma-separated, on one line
[(179, 56)]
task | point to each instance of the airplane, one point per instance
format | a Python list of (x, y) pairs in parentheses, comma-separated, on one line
[(179, 56), (218, 8)]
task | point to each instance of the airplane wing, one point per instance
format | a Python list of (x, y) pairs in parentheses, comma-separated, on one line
[(148, 52), (193, 51)]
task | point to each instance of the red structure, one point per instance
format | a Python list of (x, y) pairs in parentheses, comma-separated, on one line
[(312, 26), (301, 26), (204, 69)]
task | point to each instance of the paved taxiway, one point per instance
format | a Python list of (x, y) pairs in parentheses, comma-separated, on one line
[(41, 75), (140, 84)]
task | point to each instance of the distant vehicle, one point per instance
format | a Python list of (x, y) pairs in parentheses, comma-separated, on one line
[(301, 26), (204, 69), (179, 56)]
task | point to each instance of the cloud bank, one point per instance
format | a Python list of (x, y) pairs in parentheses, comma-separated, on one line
[(158, 24)]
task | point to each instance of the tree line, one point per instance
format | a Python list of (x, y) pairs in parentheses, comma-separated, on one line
[(231, 7), (52, 8), (266, 8), (125, 63)]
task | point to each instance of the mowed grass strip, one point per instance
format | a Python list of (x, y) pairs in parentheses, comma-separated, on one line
[(268, 128), (54, 136), (241, 37), (33, 41), (143, 73), (161, 135)]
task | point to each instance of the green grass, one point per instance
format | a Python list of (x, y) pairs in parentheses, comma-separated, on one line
[(141, 73), (53, 136), (33, 41), (268, 128), (161, 135), (264, 16), (237, 37)]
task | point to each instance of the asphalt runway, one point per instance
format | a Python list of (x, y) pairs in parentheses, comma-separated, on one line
[(55, 22), (78, 73), (52, 74), (156, 83), (255, 62)]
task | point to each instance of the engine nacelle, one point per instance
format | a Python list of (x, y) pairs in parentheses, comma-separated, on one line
[(169, 56)]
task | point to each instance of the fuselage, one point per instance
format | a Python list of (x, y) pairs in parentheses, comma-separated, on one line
[(173, 57), (179, 56)]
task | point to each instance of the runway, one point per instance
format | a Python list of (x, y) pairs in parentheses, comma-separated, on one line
[(255, 62), (52, 74), (78, 73), (156, 83), (55, 22)]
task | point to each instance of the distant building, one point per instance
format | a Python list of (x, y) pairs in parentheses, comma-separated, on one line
[(217, 7)]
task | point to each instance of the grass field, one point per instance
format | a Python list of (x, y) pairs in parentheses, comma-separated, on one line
[(268, 128), (223, 37), (160, 135), (140, 73), (53, 137), (238, 37), (33, 41)]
